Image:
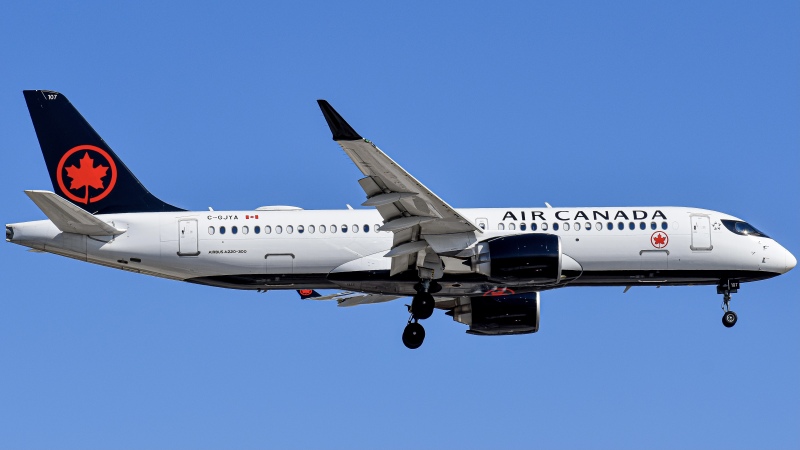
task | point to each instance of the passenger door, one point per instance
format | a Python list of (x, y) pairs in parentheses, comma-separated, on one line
[(701, 233), (187, 238)]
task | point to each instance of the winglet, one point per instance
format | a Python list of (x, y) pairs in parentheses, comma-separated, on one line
[(341, 130)]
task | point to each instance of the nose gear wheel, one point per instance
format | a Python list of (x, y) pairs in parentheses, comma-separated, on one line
[(729, 319), (727, 288)]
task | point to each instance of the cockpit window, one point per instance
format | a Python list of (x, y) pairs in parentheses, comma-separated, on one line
[(743, 228)]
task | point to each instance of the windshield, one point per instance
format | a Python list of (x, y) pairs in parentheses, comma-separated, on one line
[(743, 228)]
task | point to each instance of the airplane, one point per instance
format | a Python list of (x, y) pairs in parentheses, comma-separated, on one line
[(485, 267)]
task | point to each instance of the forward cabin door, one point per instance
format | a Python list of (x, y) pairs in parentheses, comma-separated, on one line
[(701, 233), (187, 237)]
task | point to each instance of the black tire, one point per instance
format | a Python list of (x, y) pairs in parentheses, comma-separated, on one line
[(413, 335), (422, 305), (729, 319)]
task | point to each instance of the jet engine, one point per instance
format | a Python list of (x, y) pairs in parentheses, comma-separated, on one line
[(498, 316), (525, 259)]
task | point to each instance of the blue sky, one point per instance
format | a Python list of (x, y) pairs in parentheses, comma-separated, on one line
[(515, 104)]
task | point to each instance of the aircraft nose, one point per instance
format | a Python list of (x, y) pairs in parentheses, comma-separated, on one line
[(791, 261)]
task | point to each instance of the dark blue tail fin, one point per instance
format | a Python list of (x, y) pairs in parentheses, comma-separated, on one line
[(82, 167)]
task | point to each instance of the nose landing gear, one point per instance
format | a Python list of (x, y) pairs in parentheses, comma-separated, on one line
[(726, 288)]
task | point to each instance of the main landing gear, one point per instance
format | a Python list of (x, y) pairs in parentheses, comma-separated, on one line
[(726, 288), (422, 306)]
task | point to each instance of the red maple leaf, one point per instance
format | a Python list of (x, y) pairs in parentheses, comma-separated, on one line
[(659, 240), (86, 175)]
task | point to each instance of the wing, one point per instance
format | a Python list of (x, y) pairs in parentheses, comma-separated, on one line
[(417, 217)]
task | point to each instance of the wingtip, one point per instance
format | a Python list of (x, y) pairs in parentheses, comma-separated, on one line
[(341, 130)]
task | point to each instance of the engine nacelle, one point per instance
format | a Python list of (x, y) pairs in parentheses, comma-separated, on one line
[(521, 259), (498, 316)]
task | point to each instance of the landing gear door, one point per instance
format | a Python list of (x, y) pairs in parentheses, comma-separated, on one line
[(280, 263), (701, 233), (187, 237)]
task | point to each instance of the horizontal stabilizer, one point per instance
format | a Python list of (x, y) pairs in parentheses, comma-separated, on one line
[(70, 218)]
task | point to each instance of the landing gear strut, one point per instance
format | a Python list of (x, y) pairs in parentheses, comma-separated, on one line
[(726, 288), (422, 306)]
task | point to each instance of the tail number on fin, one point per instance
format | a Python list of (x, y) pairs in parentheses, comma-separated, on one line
[(87, 173)]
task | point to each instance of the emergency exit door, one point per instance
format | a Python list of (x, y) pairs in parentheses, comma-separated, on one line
[(701, 233), (187, 238)]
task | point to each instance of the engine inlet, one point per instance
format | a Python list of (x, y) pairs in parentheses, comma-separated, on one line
[(9, 233)]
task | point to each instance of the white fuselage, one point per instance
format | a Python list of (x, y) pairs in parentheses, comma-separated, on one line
[(294, 249)]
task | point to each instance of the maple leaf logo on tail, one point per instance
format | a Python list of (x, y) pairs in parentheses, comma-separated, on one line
[(86, 175)]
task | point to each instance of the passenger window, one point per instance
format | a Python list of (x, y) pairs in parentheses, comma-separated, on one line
[(663, 225), (588, 226), (354, 228), (555, 226), (366, 228), (278, 229), (500, 226), (522, 226), (533, 226), (375, 228), (289, 229), (222, 230), (512, 226), (211, 230), (245, 229), (620, 225), (482, 225), (234, 229), (267, 229), (333, 228), (577, 226), (322, 228), (610, 226), (653, 225), (311, 229), (257, 229), (544, 226), (566, 226), (301, 229), (632, 226), (344, 228), (599, 226), (642, 226)]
